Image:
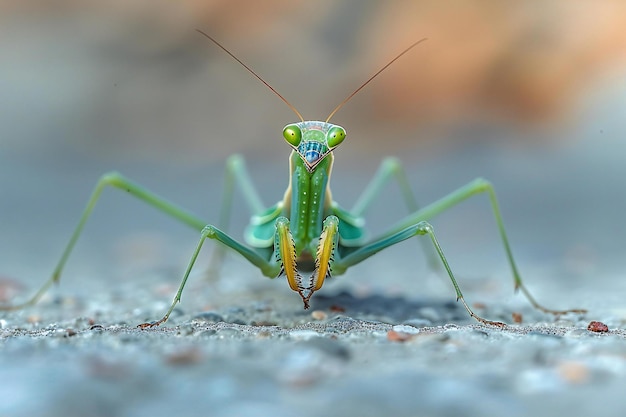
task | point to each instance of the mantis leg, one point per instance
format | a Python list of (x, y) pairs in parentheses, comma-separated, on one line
[(391, 168), (270, 268), (421, 228), (236, 174), (415, 224), (116, 180)]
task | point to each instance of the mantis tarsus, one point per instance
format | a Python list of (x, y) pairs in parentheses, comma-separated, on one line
[(307, 230)]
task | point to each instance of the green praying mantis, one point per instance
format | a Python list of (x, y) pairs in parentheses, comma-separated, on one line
[(307, 231)]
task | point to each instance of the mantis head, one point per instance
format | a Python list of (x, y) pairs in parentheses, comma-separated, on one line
[(313, 140)]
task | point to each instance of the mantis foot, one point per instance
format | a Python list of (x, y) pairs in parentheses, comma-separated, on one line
[(546, 310), (144, 326), (498, 324)]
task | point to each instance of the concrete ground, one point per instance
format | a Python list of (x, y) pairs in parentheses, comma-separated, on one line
[(386, 338)]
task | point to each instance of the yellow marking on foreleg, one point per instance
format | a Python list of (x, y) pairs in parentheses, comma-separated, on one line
[(325, 253), (287, 253)]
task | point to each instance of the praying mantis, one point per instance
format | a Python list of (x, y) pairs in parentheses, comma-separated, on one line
[(306, 231)]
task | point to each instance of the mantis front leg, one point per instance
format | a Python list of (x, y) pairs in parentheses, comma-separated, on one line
[(283, 261)]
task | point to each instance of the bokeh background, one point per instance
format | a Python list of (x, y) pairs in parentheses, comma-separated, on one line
[(530, 95)]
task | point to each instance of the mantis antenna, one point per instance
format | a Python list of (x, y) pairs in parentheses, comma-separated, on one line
[(255, 74), (336, 109), (372, 77)]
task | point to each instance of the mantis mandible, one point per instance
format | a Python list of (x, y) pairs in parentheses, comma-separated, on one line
[(307, 231)]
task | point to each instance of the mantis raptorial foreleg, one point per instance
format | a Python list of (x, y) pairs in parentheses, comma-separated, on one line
[(281, 262), (415, 224)]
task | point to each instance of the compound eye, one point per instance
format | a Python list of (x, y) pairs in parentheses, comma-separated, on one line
[(292, 134), (335, 136)]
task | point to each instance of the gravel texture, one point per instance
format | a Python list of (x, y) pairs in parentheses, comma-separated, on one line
[(387, 338), (349, 355)]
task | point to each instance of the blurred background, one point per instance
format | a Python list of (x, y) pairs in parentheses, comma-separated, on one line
[(530, 95)]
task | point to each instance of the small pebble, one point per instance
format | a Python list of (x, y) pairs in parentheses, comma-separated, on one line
[(303, 334), (228, 332), (395, 336), (318, 315), (517, 317), (403, 328), (597, 327)]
